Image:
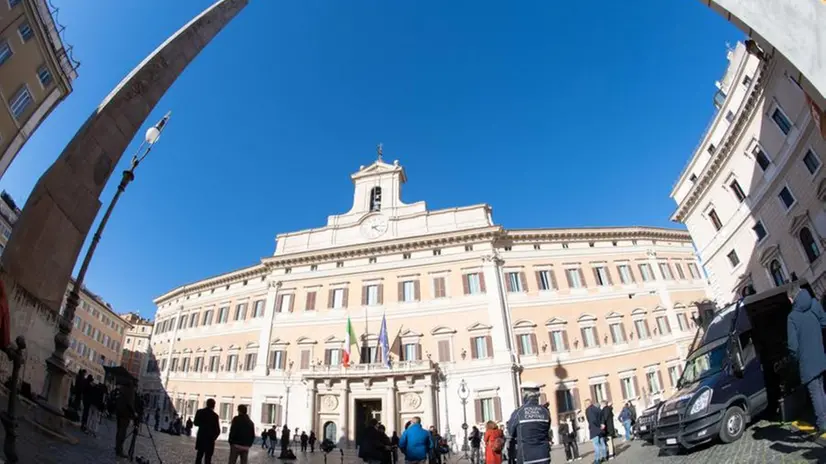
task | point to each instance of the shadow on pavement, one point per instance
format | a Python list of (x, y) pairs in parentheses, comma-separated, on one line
[(788, 441)]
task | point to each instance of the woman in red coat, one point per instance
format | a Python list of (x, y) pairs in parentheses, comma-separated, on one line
[(494, 443)]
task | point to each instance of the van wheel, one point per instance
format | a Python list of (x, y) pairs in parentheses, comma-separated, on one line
[(733, 424)]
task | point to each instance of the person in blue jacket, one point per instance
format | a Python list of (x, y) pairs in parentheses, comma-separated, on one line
[(530, 426), (415, 443), (805, 341)]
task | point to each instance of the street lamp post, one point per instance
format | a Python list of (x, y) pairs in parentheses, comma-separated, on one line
[(56, 365), (288, 382), (464, 394)]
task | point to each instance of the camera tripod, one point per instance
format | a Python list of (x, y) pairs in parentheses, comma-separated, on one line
[(135, 431)]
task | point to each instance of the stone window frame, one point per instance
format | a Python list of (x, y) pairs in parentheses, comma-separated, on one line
[(442, 333)]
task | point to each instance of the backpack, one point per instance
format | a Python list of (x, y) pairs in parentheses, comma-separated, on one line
[(498, 444)]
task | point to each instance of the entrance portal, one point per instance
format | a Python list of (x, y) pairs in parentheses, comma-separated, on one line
[(366, 410)]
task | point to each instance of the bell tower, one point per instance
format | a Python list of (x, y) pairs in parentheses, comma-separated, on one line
[(377, 187)]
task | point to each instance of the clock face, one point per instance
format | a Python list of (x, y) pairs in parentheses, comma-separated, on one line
[(374, 226)]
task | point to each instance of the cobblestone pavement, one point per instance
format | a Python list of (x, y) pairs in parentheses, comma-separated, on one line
[(763, 443)]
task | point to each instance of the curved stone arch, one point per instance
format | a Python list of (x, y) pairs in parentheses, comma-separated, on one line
[(186, 351), (679, 305), (639, 312), (442, 330), (586, 317), (200, 350), (478, 326), (252, 345), (524, 324), (613, 315), (216, 348), (305, 341), (333, 339), (555, 321), (659, 309)]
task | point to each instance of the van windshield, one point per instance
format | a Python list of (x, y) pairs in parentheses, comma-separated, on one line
[(704, 363)]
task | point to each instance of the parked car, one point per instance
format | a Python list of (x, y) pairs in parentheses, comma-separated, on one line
[(646, 423)]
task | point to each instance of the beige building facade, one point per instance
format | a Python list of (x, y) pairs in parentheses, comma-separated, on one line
[(137, 356), (753, 195), (36, 72), (97, 335), (603, 313), (9, 212)]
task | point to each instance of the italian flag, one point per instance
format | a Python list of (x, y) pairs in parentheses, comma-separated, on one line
[(349, 340)]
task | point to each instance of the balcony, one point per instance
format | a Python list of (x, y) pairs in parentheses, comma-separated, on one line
[(371, 370)]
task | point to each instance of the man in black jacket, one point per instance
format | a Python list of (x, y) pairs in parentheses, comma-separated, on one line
[(209, 427), (595, 429), (530, 425), (609, 430), (241, 436)]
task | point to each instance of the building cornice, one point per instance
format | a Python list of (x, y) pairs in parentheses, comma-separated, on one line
[(229, 278), (731, 139), (379, 248), (597, 233)]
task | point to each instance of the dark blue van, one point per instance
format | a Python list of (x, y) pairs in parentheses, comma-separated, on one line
[(739, 370)]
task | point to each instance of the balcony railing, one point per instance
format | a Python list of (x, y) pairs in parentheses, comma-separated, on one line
[(399, 367)]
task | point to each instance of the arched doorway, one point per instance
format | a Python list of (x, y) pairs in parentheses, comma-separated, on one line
[(330, 431)]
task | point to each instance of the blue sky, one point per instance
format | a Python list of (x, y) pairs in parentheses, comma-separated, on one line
[(555, 113)]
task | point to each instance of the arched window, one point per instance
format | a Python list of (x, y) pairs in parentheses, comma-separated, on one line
[(330, 431), (809, 244), (776, 270), (375, 199)]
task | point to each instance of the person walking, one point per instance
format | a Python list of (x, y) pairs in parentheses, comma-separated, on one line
[(125, 412), (241, 436), (272, 436), (285, 440), (625, 418), (374, 444), (394, 447), (415, 442), (157, 419), (88, 395), (312, 441), (264, 438), (609, 430), (304, 440), (593, 415), (568, 436), (475, 439), (494, 443), (805, 342), (209, 428), (530, 425), (96, 407)]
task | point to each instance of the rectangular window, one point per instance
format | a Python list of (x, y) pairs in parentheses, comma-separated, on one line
[(692, 269), (408, 291), (439, 290), (617, 333), (680, 272), (25, 31), (44, 76), (598, 392), (811, 161), (193, 320), (624, 271), (199, 364), (207, 320), (185, 365), (602, 276), (277, 359), (173, 366), (226, 411), (747, 81), (258, 310), (665, 270), (514, 281), (410, 351), (284, 303), (786, 197), (479, 347), (488, 409), (673, 376), (762, 159), (338, 298), (473, 284), (309, 302), (628, 388), (653, 380), (782, 121), (733, 259), (589, 337), (559, 341), (304, 362), (223, 314), (5, 51), (371, 295), (565, 401), (270, 413), (213, 363), (332, 356), (249, 361), (715, 220), (574, 277), (737, 190), (369, 355), (241, 312), (546, 280), (526, 344), (445, 351), (232, 363), (182, 322), (642, 329), (682, 321), (645, 272), (663, 326)]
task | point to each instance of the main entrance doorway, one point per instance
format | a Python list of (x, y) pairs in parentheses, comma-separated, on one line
[(366, 410)]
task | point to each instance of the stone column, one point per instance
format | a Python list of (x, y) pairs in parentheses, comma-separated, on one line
[(441, 398), (312, 392), (390, 420), (343, 407), (429, 416), (498, 314), (265, 336)]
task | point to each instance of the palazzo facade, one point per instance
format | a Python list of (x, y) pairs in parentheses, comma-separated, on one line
[(605, 313)]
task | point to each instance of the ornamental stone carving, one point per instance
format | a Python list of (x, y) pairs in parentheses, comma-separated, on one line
[(329, 403), (411, 401)]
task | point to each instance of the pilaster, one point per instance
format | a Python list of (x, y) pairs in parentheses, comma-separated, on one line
[(390, 405), (498, 314), (429, 410), (343, 407), (168, 362), (662, 290), (264, 338)]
